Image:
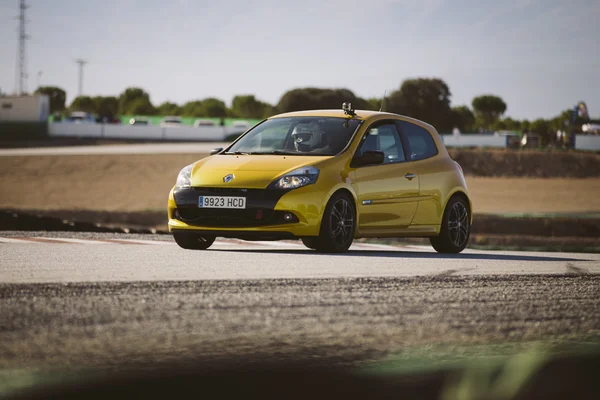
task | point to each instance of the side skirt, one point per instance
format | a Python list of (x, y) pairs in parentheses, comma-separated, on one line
[(410, 231)]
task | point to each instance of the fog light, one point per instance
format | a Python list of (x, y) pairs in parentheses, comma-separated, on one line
[(176, 214), (288, 217)]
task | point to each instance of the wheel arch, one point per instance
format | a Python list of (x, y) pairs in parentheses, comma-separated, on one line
[(350, 193), (458, 192)]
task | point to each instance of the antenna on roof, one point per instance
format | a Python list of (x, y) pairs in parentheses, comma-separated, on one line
[(382, 100)]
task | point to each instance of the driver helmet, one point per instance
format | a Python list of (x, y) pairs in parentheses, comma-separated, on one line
[(308, 137)]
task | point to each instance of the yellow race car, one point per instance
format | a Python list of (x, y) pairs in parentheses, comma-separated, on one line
[(325, 177)]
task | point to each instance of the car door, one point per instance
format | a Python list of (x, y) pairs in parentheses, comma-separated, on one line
[(387, 192), (422, 151)]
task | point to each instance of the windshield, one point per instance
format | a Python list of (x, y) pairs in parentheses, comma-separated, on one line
[(297, 136)]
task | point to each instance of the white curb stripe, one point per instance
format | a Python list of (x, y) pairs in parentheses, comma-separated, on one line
[(17, 241), (71, 240)]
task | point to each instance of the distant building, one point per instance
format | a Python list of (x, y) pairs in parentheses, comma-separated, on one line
[(592, 129), (35, 108)]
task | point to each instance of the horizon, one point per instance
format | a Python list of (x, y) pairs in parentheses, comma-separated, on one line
[(184, 51)]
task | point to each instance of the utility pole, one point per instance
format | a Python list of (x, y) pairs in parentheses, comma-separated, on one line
[(81, 65), (39, 78), (22, 68)]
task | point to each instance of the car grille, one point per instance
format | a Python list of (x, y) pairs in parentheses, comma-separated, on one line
[(256, 199), (219, 218)]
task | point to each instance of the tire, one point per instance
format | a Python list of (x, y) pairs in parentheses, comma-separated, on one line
[(190, 241), (310, 242), (455, 229), (338, 225)]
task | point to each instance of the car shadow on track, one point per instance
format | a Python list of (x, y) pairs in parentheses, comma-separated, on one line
[(409, 254)]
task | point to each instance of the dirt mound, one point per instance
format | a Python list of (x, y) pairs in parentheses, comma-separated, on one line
[(537, 164)]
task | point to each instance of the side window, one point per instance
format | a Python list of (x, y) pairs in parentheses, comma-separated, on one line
[(383, 137), (420, 142)]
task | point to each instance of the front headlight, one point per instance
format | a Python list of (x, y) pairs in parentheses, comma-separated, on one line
[(295, 179), (184, 179)]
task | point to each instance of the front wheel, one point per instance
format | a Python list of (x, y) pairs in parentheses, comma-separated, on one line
[(310, 242), (191, 241), (337, 226), (455, 229)]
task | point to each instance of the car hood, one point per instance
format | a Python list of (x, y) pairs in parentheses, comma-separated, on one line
[(251, 171)]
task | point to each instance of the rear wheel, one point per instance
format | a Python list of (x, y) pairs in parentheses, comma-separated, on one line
[(455, 229), (191, 241), (337, 226)]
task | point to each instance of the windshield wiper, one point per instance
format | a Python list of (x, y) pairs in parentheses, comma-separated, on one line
[(277, 152), (236, 152)]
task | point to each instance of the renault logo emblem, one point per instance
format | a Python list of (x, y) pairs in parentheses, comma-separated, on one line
[(228, 178)]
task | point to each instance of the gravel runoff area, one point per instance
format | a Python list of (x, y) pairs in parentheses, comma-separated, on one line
[(78, 325)]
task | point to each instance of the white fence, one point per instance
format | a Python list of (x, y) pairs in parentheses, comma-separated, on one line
[(204, 133), (147, 132), (587, 142), (75, 130), (475, 140), (132, 132)]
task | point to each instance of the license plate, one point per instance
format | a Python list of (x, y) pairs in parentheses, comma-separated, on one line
[(221, 202)]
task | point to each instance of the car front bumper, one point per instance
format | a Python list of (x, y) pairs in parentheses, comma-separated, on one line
[(266, 216)]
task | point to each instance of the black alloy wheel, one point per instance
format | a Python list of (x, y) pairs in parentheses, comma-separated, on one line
[(191, 241), (455, 229), (338, 225)]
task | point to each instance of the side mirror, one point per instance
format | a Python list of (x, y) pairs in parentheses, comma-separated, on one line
[(369, 158), (216, 151)]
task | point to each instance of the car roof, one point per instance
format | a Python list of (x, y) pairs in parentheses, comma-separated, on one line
[(360, 114)]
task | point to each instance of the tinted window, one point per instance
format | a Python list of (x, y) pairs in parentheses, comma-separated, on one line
[(420, 142), (383, 138)]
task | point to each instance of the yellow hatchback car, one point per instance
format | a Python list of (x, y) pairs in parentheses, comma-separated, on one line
[(325, 177)]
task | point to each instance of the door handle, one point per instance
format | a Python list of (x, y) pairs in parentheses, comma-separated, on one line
[(410, 176)]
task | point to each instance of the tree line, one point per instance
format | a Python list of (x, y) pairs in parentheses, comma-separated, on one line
[(427, 99)]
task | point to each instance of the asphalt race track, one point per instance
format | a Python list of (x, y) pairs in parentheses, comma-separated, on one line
[(47, 258), (75, 299)]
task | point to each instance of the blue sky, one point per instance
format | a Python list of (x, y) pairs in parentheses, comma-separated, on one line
[(540, 56)]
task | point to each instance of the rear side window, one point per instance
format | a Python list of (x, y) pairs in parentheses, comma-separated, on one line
[(420, 142), (384, 137)]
